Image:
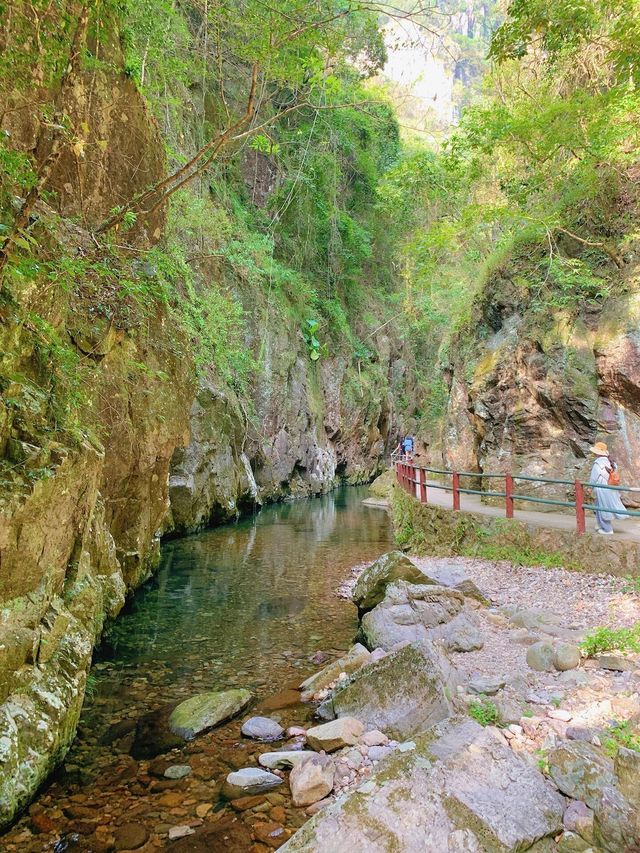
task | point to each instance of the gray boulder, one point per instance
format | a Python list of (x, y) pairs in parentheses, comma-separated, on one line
[(460, 789), (206, 710), (419, 614), (404, 693), (540, 656), (372, 584), (262, 728)]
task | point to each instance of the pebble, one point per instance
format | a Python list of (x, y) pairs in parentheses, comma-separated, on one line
[(180, 832), (177, 771)]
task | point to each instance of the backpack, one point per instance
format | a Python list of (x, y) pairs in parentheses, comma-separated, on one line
[(614, 475)]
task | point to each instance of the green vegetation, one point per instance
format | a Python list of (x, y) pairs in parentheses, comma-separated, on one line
[(518, 555), (484, 711), (605, 639), (621, 734)]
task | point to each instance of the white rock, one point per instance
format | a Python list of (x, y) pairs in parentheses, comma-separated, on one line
[(180, 832)]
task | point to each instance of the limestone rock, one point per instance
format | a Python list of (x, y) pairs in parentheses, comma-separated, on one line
[(461, 788), (284, 760), (262, 728), (540, 656), (372, 584), (581, 771), (404, 693), (249, 781), (566, 656), (206, 710), (462, 638), (356, 657), (486, 684), (415, 613), (468, 588), (335, 734), (312, 780)]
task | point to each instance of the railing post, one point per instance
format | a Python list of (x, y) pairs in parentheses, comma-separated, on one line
[(455, 484), (508, 489), (580, 520), (423, 486)]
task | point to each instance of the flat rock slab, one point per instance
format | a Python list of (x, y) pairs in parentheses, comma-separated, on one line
[(262, 728), (249, 781), (486, 685), (206, 710), (616, 663), (459, 788), (284, 760)]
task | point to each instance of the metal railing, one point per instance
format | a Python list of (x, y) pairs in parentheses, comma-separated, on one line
[(413, 479)]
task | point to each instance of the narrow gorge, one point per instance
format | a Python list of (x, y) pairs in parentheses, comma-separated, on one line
[(244, 251)]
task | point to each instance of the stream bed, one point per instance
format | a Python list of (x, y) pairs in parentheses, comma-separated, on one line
[(244, 605)]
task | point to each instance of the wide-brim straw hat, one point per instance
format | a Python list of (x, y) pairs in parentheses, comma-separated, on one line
[(600, 449)]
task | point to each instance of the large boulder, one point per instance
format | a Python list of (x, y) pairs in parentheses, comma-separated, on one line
[(460, 789), (419, 614), (402, 694), (206, 710), (356, 657), (373, 582)]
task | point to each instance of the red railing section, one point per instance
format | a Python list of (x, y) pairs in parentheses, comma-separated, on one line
[(413, 478)]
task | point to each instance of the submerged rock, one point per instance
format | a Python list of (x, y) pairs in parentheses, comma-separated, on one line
[(207, 710), (312, 780), (262, 728), (248, 781), (460, 788), (372, 584), (404, 693)]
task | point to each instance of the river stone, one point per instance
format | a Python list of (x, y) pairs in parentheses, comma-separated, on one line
[(414, 613), (486, 684), (249, 781), (356, 657), (404, 693), (581, 771), (177, 771), (283, 760), (540, 656), (206, 710), (335, 734), (262, 728), (372, 584), (311, 780), (462, 638), (566, 656), (461, 788)]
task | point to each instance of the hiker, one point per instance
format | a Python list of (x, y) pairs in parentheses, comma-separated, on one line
[(407, 447), (602, 469)]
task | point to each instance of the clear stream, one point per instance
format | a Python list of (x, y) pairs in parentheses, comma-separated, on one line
[(245, 605)]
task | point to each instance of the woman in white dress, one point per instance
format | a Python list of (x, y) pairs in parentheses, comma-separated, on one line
[(608, 500)]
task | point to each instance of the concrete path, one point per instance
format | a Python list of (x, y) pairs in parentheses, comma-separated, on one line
[(628, 529)]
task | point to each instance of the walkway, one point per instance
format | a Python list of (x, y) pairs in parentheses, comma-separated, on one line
[(627, 529)]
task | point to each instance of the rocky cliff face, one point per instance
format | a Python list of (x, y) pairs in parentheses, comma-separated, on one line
[(531, 391), (150, 449)]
